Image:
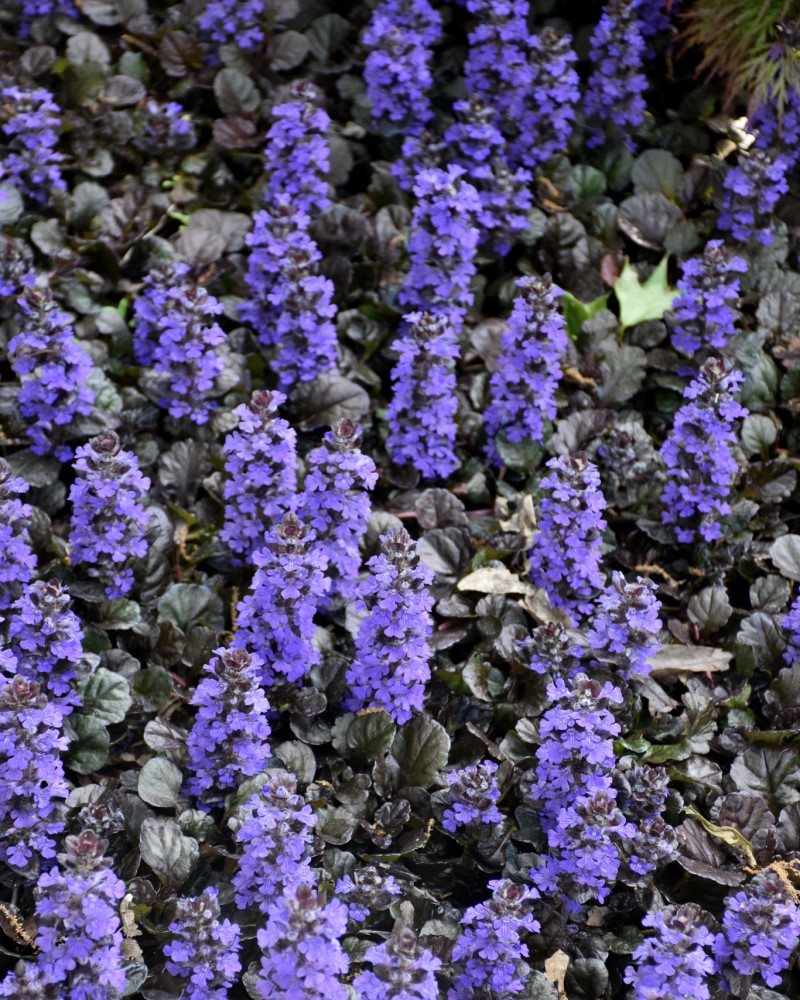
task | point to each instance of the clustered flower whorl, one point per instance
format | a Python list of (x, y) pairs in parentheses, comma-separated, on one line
[(528, 369), (699, 454), (108, 517), (565, 558), (204, 950), (276, 619), (228, 741), (32, 785), (261, 472), (53, 369), (422, 411), (391, 667)]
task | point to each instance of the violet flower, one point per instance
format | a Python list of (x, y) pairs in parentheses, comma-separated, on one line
[(421, 414), (699, 454), (554, 96), (32, 785), (675, 962), (79, 934), (760, 930), (471, 797), (401, 969), (246, 23), (275, 829), (565, 558), (475, 143), (17, 561), (53, 369), (614, 98), (228, 741), (301, 944), (623, 633), (397, 69), (297, 155), (791, 623), (261, 468), (525, 379), (367, 891), (108, 517), (705, 313), (276, 619), (335, 502), (751, 190), (185, 354), (46, 638), (32, 129), (489, 952), (391, 667), (442, 245), (204, 950)]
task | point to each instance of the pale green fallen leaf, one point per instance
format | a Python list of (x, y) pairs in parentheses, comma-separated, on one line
[(643, 301)]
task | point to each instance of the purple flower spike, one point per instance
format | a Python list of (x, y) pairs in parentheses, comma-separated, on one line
[(615, 90), (301, 942), (471, 796), (177, 335), (204, 950), (397, 70), (228, 741), (565, 558), (624, 631), (276, 831), (489, 953), (32, 785), (32, 129), (401, 969), (525, 380), (705, 314), (444, 239), (698, 454), (53, 369), (46, 638), (79, 934), (421, 414), (750, 193), (760, 930), (108, 517), (276, 619), (391, 667), (675, 962), (297, 155), (17, 561), (261, 467), (335, 502), (477, 144)]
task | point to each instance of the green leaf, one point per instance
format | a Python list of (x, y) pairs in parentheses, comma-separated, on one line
[(710, 609), (187, 604), (169, 853), (106, 696), (421, 748), (119, 615), (785, 553), (363, 738), (727, 834), (153, 686), (769, 772), (576, 313), (643, 301), (88, 744), (160, 783)]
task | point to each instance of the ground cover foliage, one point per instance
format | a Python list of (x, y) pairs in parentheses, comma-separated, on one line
[(398, 501)]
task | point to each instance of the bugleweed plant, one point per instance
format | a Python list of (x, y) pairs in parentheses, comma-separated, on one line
[(399, 546)]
